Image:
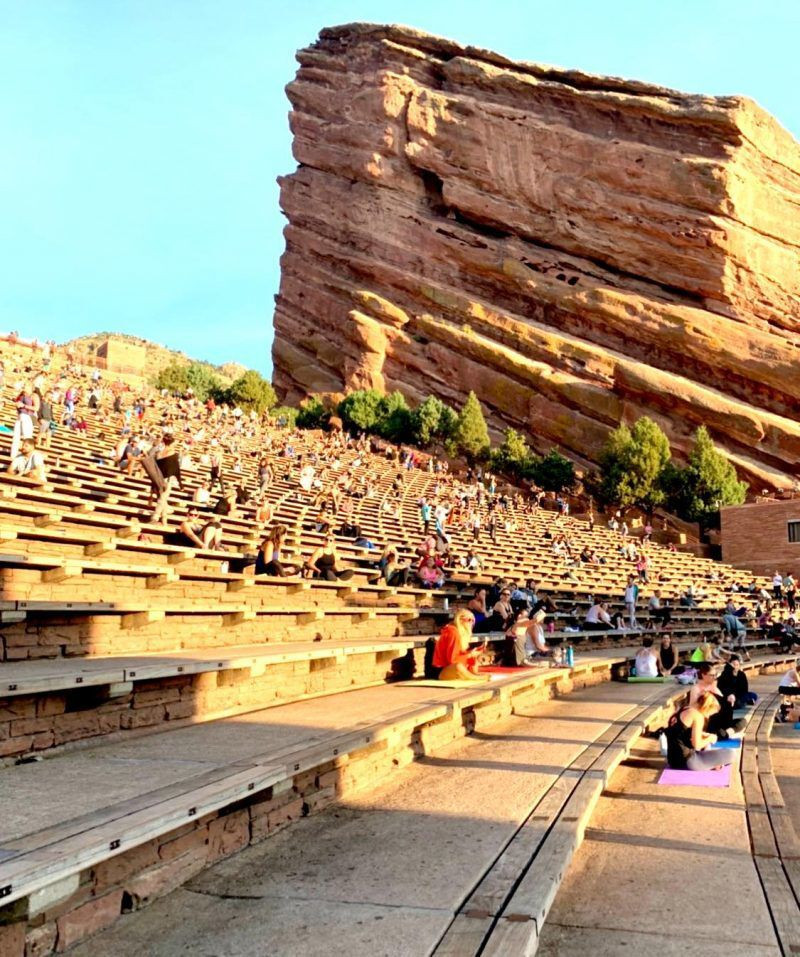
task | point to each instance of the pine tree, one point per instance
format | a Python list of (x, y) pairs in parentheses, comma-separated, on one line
[(553, 472), (633, 464), (394, 418), (708, 482), (513, 456), (472, 436), (173, 378), (360, 410), (251, 391)]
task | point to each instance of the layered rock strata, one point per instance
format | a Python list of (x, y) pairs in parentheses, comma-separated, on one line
[(579, 250)]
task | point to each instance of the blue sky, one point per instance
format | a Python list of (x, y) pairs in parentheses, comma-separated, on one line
[(142, 138)]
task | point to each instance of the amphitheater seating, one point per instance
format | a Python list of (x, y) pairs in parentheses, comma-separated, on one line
[(110, 631)]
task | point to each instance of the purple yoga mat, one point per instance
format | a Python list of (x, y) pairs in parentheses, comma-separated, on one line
[(701, 779)]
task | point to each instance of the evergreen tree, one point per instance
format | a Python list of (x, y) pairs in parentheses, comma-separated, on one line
[(173, 378), (513, 456), (395, 419), (432, 421), (632, 466), (251, 391), (360, 410), (553, 472), (284, 416), (471, 434), (425, 420), (201, 379), (708, 482), (312, 413), (448, 423)]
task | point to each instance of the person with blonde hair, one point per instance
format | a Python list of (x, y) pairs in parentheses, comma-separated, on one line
[(452, 652), (688, 742)]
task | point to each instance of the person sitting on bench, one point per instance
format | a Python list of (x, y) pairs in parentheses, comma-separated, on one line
[(704, 651), (452, 653), (667, 657), (659, 610), (200, 533), (29, 463), (270, 559), (477, 605), (598, 618), (688, 740), (790, 689), (394, 573), (502, 615), (324, 562), (790, 682), (527, 642)]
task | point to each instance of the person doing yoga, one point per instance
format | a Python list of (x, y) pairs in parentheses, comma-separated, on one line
[(688, 742)]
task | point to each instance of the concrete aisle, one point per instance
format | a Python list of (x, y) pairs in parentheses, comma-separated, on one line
[(382, 874), (663, 870), (785, 751)]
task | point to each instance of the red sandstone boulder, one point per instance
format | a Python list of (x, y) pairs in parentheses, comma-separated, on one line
[(579, 250)]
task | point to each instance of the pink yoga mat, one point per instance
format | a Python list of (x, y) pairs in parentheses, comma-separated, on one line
[(701, 779)]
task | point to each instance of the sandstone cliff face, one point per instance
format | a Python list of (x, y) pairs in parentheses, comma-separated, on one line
[(579, 250)]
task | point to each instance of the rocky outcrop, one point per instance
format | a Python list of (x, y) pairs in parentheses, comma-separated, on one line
[(579, 250)]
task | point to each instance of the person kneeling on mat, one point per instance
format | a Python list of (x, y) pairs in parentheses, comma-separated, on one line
[(452, 653), (688, 742)]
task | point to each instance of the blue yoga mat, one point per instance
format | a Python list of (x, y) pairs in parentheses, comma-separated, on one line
[(728, 743)]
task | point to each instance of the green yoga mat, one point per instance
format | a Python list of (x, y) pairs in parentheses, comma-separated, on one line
[(644, 681)]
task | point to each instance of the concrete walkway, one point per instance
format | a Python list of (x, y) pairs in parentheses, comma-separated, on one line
[(663, 870), (385, 873), (785, 751)]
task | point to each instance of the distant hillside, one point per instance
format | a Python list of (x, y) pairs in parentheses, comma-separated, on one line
[(157, 356)]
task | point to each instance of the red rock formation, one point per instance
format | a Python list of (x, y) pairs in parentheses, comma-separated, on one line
[(579, 250)]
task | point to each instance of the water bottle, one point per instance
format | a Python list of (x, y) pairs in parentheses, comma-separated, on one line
[(570, 656), (446, 603)]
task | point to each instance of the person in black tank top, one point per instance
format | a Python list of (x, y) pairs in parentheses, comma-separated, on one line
[(667, 656), (324, 562), (688, 743)]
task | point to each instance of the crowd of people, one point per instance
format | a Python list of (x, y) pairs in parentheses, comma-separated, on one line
[(236, 458)]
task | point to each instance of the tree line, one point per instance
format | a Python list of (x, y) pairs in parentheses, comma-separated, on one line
[(249, 391), (433, 425), (635, 467)]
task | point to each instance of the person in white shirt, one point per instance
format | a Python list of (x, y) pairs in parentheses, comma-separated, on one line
[(646, 660), (597, 618), (631, 594), (790, 689), (777, 586), (29, 463), (202, 494), (791, 679), (307, 474)]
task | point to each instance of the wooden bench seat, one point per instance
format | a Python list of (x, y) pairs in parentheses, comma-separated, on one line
[(48, 675)]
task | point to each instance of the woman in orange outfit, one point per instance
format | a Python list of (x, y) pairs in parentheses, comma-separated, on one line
[(452, 653)]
